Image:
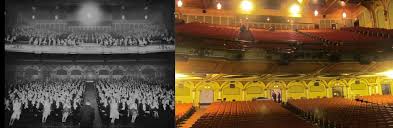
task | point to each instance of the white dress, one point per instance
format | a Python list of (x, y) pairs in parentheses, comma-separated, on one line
[(17, 110), (114, 112), (47, 110)]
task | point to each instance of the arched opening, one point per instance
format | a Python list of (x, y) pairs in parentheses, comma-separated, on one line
[(390, 11), (103, 72), (31, 72), (317, 89), (296, 92), (118, 72), (76, 72), (254, 92), (61, 72), (365, 19), (380, 18), (359, 89), (206, 95)]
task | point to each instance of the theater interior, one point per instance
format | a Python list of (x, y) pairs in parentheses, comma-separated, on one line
[(88, 63), (284, 63)]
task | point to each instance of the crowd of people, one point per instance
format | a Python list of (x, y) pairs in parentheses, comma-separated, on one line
[(45, 98), (132, 99), (138, 36)]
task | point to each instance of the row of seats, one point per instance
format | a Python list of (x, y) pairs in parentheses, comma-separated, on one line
[(336, 40), (341, 36), (248, 114), (182, 109), (206, 30), (343, 113), (378, 99), (376, 32), (280, 36)]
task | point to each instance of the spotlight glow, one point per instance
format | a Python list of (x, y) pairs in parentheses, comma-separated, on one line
[(89, 14), (316, 13), (246, 6), (294, 10), (388, 74), (219, 6), (179, 3), (344, 15), (179, 75)]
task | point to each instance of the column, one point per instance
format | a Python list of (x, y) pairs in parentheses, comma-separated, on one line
[(327, 92), (307, 93), (219, 93), (193, 95), (243, 94)]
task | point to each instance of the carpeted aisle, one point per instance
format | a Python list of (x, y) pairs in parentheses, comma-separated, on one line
[(91, 95)]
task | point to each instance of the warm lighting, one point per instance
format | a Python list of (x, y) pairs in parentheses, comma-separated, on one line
[(342, 3), (300, 1), (179, 3), (316, 13), (179, 75), (388, 74), (268, 19), (219, 6), (344, 15), (295, 10), (246, 5)]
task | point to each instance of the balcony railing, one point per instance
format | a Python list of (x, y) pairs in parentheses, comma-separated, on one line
[(90, 49)]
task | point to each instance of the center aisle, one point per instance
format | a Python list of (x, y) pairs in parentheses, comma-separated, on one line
[(91, 95)]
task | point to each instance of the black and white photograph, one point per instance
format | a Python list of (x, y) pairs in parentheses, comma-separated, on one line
[(89, 63)]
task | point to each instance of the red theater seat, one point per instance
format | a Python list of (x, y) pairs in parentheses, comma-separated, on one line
[(246, 114), (340, 112)]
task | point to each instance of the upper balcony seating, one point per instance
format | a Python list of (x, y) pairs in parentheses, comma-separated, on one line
[(246, 114)]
